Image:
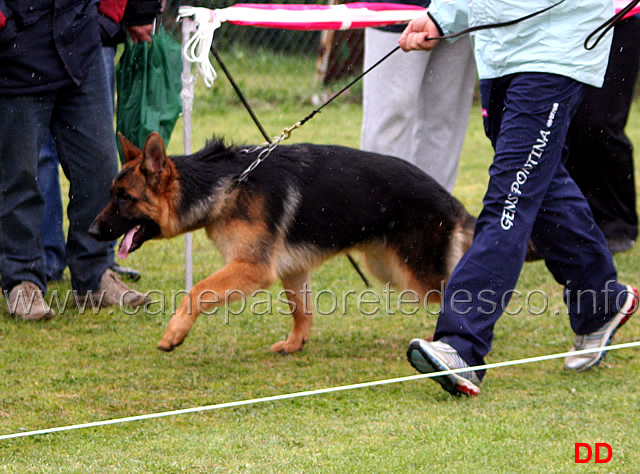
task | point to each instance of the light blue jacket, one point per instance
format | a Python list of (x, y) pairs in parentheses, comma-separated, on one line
[(551, 42)]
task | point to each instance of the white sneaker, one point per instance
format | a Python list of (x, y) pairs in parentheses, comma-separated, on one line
[(438, 356), (602, 337)]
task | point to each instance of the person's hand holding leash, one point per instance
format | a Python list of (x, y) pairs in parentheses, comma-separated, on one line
[(414, 36)]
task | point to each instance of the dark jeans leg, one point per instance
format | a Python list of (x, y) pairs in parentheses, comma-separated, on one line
[(24, 122), (82, 126), (53, 238)]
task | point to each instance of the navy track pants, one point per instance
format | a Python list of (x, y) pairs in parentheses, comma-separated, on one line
[(530, 195)]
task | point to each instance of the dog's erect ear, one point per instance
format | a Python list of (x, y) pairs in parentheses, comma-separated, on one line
[(154, 158), (129, 150)]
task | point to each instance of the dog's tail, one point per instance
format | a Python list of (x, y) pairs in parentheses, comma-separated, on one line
[(468, 226), (460, 240)]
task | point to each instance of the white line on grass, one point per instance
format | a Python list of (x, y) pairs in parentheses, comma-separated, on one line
[(288, 396)]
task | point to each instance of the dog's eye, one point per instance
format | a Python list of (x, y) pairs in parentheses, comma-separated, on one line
[(125, 197)]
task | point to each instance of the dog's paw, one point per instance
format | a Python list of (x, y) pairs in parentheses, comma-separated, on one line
[(174, 335), (167, 347), (287, 347)]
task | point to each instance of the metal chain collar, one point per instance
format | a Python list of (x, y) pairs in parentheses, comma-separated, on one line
[(265, 151)]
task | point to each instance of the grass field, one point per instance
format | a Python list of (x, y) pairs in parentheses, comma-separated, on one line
[(80, 368)]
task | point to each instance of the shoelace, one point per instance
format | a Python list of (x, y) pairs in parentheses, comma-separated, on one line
[(457, 360)]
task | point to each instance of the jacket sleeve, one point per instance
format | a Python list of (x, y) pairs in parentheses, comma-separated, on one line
[(141, 12), (113, 9), (450, 16)]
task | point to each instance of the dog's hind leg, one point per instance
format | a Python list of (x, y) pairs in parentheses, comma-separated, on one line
[(391, 265), (234, 281), (298, 290)]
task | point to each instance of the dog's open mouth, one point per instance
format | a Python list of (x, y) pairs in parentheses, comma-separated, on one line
[(126, 245), (136, 236)]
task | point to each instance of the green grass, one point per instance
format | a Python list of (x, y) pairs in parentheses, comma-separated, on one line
[(82, 368)]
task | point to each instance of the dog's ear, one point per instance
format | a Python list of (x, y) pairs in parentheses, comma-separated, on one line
[(129, 150), (154, 158)]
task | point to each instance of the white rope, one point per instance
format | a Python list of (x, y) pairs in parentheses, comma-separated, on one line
[(196, 48), (289, 396)]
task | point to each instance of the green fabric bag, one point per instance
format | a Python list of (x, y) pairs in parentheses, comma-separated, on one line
[(148, 85)]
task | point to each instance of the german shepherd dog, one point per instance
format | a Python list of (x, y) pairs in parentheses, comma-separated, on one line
[(304, 204)]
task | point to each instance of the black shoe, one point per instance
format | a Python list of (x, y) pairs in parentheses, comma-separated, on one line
[(124, 272)]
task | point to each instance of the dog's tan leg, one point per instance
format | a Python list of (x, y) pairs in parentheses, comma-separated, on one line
[(235, 280), (298, 291)]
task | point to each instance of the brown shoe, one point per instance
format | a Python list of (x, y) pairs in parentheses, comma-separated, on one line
[(112, 292), (26, 303), (116, 291)]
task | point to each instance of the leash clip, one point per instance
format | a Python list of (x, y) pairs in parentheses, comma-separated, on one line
[(266, 150)]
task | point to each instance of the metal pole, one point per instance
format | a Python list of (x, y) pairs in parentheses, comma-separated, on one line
[(188, 26)]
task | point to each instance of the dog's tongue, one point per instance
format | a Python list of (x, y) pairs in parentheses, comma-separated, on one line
[(125, 245)]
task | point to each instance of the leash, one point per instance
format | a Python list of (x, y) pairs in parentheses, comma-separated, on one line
[(286, 133), (241, 96), (608, 25)]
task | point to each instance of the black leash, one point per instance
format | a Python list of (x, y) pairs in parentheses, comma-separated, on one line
[(607, 25), (240, 94), (287, 132)]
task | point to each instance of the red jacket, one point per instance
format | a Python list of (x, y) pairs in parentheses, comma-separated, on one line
[(114, 9)]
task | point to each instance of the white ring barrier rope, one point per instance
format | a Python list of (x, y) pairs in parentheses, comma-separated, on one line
[(196, 48), (288, 396)]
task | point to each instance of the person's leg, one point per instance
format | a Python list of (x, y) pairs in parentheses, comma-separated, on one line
[(108, 56), (600, 157), (82, 125), (527, 120), (565, 235), (23, 123), (391, 95), (598, 305), (53, 239), (416, 106), (444, 105)]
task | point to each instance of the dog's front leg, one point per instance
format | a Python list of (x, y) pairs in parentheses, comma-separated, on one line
[(234, 281), (298, 291)]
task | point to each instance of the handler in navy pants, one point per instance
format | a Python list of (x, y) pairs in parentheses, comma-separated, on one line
[(532, 79), (526, 177)]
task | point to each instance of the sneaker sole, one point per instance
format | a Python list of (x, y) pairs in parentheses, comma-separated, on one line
[(425, 363), (624, 317)]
